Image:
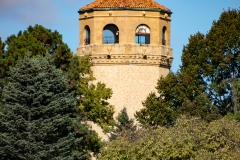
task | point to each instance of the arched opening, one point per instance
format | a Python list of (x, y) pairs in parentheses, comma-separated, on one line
[(164, 35), (142, 34), (110, 34), (87, 37)]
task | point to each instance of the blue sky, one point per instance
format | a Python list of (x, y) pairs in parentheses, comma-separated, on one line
[(189, 17)]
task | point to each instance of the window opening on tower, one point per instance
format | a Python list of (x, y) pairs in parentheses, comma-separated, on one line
[(142, 35), (87, 39), (164, 35), (110, 34)]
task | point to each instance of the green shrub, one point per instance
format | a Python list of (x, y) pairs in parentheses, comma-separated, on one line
[(189, 139)]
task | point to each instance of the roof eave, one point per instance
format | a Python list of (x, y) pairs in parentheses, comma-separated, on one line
[(125, 8)]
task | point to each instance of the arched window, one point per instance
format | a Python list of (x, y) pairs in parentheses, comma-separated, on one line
[(110, 34), (163, 35), (142, 34), (87, 39)]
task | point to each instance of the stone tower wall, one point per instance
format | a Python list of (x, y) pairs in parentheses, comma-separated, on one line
[(131, 84), (130, 69)]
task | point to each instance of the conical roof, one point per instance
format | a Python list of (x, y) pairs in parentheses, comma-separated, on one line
[(149, 4)]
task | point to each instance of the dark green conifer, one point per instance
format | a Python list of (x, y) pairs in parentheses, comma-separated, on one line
[(41, 113), (124, 125), (2, 72)]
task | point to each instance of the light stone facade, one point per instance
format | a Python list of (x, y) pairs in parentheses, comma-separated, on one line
[(131, 84), (131, 70)]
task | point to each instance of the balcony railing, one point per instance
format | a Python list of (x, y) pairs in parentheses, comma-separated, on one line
[(163, 42), (110, 40), (125, 49), (87, 41)]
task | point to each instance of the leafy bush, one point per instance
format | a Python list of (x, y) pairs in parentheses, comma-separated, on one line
[(189, 139)]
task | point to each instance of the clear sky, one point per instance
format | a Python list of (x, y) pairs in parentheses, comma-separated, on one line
[(189, 17)]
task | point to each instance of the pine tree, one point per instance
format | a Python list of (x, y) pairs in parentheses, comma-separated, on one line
[(38, 41), (41, 113), (123, 124), (2, 73)]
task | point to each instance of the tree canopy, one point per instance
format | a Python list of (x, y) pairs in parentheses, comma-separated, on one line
[(222, 60), (207, 84), (190, 138)]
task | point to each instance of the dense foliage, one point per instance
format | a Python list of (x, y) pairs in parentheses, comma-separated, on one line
[(207, 84), (222, 67), (155, 113), (38, 40), (93, 97), (41, 113), (189, 139)]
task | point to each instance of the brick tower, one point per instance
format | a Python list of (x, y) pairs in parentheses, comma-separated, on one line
[(129, 43)]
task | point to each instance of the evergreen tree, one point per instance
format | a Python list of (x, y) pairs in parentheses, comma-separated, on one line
[(41, 113), (38, 41), (2, 72), (35, 40), (123, 124)]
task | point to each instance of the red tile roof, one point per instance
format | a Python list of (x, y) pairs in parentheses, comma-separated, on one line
[(125, 4)]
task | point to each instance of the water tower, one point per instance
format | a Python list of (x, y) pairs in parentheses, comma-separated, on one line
[(129, 43)]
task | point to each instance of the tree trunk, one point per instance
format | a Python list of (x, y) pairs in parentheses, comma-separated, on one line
[(234, 99)]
